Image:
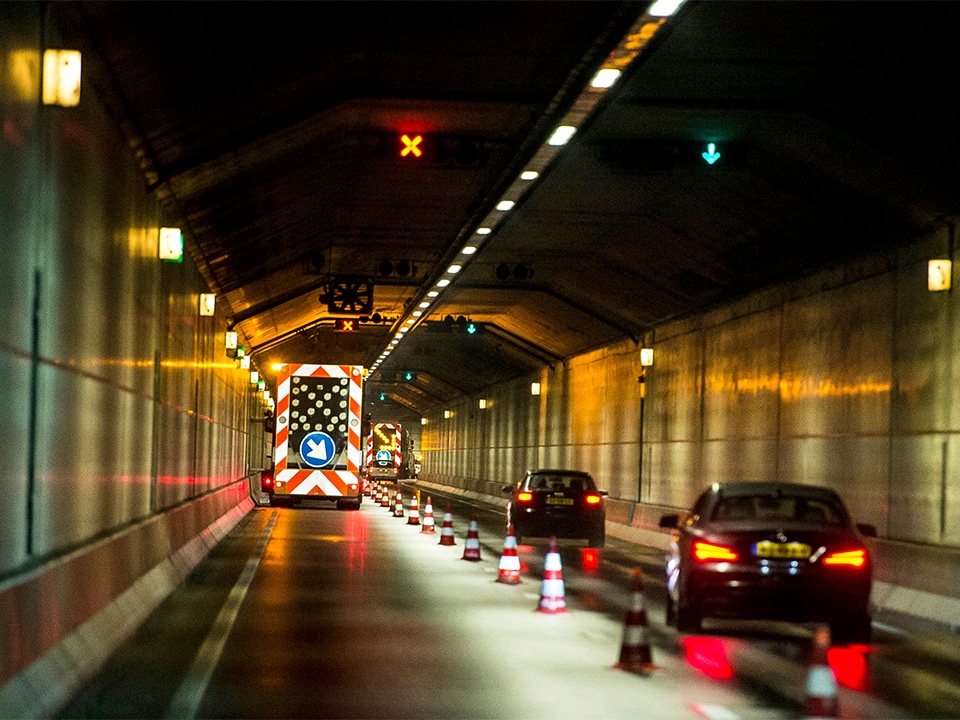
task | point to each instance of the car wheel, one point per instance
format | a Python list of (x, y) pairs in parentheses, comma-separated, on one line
[(857, 629), (688, 619), (671, 612)]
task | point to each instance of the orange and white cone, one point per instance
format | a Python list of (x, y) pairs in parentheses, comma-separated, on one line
[(398, 506), (821, 695), (509, 561), (429, 525), (385, 498), (552, 591), (635, 654), (413, 512), (446, 532), (471, 550)]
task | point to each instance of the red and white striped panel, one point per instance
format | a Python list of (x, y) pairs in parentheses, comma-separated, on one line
[(398, 453), (297, 481)]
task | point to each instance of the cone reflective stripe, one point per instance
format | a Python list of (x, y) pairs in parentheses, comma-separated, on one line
[(635, 654), (446, 532), (471, 550), (428, 522), (552, 593), (509, 561), (413, 514), (821, 696), (398, 507)]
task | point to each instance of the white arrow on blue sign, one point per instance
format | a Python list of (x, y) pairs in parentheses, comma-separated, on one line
[(317, 449)]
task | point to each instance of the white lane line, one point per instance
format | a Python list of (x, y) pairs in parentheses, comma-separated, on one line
[(714, 712), (186, 701)]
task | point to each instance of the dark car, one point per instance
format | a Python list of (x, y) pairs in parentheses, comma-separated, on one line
[(771, 551), (560, 503)]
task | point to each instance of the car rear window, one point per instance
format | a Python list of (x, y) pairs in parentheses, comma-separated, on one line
[(558, 481), (777, 509)]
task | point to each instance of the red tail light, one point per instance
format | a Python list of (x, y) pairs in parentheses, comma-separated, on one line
[(524, 497), (592, 499), (707, 552), (850, 558), (266, 480)]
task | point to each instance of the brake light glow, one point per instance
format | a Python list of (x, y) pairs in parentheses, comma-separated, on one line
[(591, 499), (266, 480), (850, 558), (707, 552), (524, 496)]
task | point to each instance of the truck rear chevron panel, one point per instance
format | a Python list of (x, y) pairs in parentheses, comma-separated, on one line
[(318, 446)]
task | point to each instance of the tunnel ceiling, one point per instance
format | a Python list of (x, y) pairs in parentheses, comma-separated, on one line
[(271, 133)]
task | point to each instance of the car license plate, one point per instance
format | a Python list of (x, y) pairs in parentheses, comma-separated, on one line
[(789, 551), (559, 501)]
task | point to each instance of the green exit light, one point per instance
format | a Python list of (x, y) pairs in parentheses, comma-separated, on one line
[(711, 154)]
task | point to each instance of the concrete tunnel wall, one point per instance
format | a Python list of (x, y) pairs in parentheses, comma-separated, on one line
[(846, 378), (124, 425)]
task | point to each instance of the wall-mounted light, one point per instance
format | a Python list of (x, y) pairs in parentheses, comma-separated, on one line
[(244, 362), (261, 386), (171, 245), (483, 404), (61, 77), (231, 340), (646, 357), (254, 377), (208, 304), (266, 396), (447, 414), (423, 421), (535, 388), (938, 275)]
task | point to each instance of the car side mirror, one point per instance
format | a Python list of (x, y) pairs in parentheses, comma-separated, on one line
[(507, 490), (669, 521), (867, 530)]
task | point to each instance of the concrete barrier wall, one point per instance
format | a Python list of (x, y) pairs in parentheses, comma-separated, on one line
[(60, 622)]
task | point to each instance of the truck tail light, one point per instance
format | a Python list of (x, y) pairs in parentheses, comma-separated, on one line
[(708, 552)]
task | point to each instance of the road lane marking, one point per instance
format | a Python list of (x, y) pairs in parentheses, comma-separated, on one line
[(714, 712), (186, 700)]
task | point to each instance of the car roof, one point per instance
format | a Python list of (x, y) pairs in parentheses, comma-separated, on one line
[(557, 471), (728, 489)]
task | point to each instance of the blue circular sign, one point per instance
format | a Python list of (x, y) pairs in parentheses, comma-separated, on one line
[(317, 449)]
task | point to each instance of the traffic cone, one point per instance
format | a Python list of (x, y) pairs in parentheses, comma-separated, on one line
[(635, 654), (552, 594), (398, 507), (376, 493), (413, 514), (821, 697), (446, 532), (471, 550), (385, 498), (509, 561), (428, 527)]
